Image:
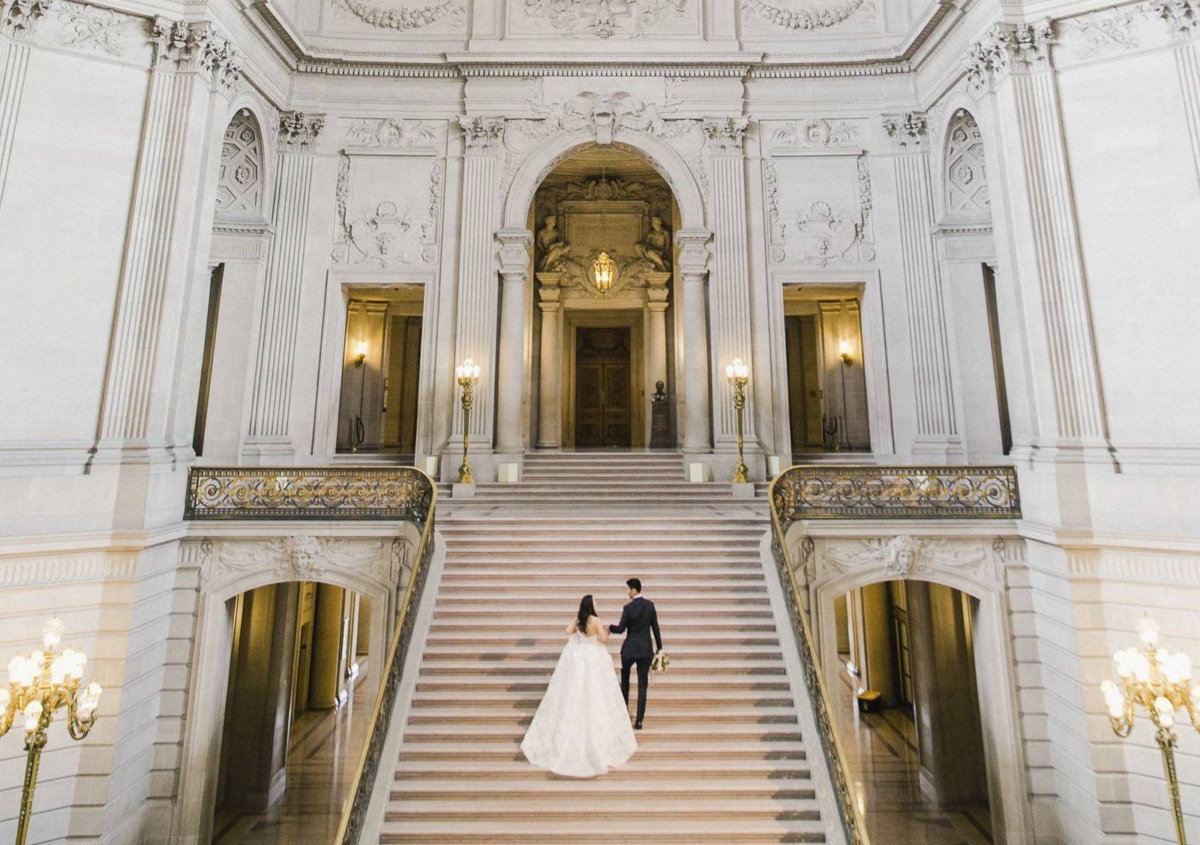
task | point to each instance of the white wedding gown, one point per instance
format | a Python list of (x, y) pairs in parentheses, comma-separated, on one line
[(581, 728)]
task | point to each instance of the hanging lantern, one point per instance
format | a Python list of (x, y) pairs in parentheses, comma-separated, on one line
[(604, 271)]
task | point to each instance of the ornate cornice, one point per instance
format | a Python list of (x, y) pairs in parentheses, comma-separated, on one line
[(195, 47), (298, 131), (1007, 48), (734, 65), (907, 131)]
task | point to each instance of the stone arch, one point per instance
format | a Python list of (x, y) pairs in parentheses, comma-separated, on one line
[(374, 566), (665, 159), (973, 564), (965, 190)]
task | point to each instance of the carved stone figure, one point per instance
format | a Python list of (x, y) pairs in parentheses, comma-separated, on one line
[(656, 246), (554, 248)]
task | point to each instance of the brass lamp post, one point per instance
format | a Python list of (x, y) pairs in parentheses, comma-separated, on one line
[(1160, 682), (467, 374), (738, 374), (40, 684)]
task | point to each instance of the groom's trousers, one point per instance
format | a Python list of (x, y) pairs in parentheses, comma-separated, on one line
[(643, 667)]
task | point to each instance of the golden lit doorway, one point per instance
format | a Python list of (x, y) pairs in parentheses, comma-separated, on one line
[(381, 370), (603, 390)]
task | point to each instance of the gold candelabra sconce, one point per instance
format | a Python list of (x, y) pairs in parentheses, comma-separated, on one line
[(844, 351), (360, 431), (467, 374), (1159, 682), (738, 373), (39, 686), (604, 272)]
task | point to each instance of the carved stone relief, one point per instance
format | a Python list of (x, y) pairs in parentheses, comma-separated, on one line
[(816, 134), (239, 183), (808, 15), (437, 17), (833, 226), (598, 18), (302, 557), (392, 133), (382, 216), (196, 47), (95, 29), (905, 556), (965, 172)]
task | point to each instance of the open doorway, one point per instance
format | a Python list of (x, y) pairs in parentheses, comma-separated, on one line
[(909, 711), (827, 388), (295, 715), (381, 371)]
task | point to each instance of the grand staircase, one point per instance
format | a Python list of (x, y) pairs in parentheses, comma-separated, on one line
[(721, 759)]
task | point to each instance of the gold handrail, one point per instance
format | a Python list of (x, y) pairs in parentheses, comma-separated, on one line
[(853, 825), (350, 827)]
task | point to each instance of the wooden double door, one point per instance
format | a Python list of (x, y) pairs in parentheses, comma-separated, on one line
[(603, 387)]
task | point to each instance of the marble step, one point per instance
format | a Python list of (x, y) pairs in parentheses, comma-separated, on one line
[(519, 640), (786, 773), (555, 808), (643, 831), (519, 652), (662, 733), (705, 700), (664, 716), (683, 789), (648, 753), (749, 686)]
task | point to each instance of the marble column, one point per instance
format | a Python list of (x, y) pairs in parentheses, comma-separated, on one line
[(475, 318), (192, 65), (510, 361), (656, 310), (729, 287), (275, 350), (693, 272), (1012, 65), (550, 392), (937, 436)]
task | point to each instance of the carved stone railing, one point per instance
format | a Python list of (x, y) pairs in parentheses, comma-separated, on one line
[(333, 493), (812, 492), (401, 494)]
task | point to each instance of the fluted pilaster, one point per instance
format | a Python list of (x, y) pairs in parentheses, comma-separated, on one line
[(1012, 62), (17, 21), (729, 287), (1183, 20), (270, 405), (937, 433), (693, 272), (510, 363), (191, 63), (475, 322)]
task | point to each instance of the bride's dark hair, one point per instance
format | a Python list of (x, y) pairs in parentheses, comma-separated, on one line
[(587, 609)]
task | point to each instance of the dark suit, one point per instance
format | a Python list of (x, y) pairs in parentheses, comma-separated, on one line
[(639, 618)]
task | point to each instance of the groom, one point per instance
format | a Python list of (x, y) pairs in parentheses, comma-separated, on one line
[(639, 618)]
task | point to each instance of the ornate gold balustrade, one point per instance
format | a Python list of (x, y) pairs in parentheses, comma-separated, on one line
[(401, 494), (856, 492), (335, 493)]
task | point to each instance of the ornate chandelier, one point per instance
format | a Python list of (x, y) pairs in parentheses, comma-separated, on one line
[(604, 272)]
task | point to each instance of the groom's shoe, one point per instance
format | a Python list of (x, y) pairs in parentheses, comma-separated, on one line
[(637, 726)]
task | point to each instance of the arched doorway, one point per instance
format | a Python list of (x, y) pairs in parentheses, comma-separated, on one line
[(604, 328)]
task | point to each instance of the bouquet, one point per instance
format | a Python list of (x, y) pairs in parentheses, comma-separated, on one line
[(660, 662)]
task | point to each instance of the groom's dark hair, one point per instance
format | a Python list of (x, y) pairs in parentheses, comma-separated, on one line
[(634, 584)]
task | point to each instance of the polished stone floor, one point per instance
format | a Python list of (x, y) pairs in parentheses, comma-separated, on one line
[(885, 774), (322, 756)]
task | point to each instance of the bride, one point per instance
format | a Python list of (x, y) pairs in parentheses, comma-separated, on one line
[(581, 728)]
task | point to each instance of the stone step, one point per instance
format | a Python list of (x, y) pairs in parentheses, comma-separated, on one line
[(554, 808), (473, 669), (683, 789), (647, 753), (519, 652), (786, 773), (665, 716), (472, 624), (517, 640), (661, 734), (567, 584), (508, 700), (643, 831), (749, 686), (579, 562)]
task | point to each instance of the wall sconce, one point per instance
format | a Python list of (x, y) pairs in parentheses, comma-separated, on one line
[(844, 351), (360, 353), (604, 272)]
